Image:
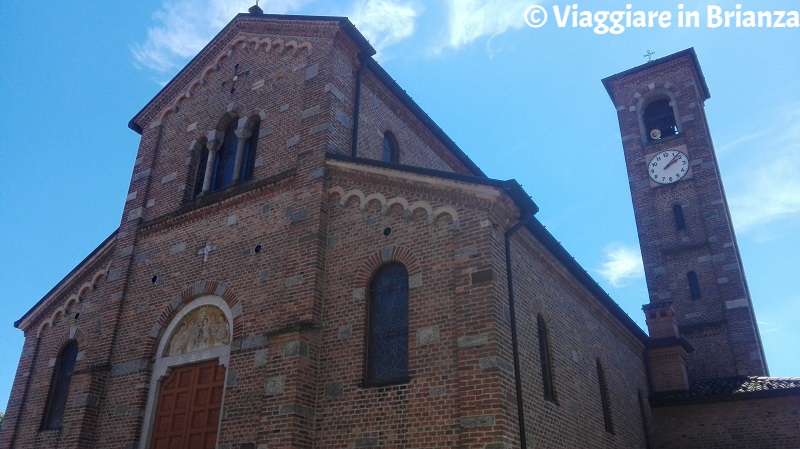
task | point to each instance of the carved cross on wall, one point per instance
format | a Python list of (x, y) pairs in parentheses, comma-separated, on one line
[(206, 251), (236, 77)]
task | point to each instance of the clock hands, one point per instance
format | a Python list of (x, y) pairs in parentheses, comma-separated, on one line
[(660, 166), (674, 159)]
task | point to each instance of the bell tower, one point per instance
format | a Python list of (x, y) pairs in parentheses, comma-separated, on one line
[(691, 259)]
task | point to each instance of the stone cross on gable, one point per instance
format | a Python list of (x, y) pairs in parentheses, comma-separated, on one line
[(206, 251)]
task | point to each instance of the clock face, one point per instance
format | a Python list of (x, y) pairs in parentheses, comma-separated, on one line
[(668, 166)]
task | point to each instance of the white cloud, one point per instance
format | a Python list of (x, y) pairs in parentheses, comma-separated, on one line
[(727, 146), (768, 327), (183, 27), (772, 194), (623, 263), (766, 188), (385, 22), (469, 20)]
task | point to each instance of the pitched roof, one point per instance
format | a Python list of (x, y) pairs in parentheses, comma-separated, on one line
[(103, 248), (731, 388)]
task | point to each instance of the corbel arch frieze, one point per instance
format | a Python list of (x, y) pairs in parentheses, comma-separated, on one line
[(430, 213), (253, 44), (78, 294)]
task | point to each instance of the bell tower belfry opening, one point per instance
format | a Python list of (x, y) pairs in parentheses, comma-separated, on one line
[(688, 245)]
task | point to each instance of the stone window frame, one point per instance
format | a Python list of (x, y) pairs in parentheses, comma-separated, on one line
[(162, 365), (241, 132), (53, 415), (647, 100)]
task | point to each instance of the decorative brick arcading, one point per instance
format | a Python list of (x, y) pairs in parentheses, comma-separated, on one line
[(78, 294), (409, 208), (254, 44)]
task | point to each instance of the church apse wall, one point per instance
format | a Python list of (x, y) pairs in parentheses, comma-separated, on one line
[(438, 231)]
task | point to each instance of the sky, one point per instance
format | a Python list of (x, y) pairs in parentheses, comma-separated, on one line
[(523, 102)]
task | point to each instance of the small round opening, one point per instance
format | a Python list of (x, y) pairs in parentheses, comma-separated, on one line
[(154, 279), (257, 249), (387, 231), (77, 315)]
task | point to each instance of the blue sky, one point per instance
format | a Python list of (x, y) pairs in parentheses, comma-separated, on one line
[(523, 103)]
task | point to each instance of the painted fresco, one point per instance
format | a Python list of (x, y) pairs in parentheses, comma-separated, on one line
[(202, 328)]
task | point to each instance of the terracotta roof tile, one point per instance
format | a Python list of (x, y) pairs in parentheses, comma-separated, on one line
[(727, 387)]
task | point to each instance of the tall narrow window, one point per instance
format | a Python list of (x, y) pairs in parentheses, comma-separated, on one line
[(390, 153), (544, 356), (659, 120), (680, 222), (601, 377), (59, 386), (645, 426), (224, 162), (201, 171), (249, 155), (694, 286), (387, 337)]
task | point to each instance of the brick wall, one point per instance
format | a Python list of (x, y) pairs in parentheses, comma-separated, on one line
[(581, 331), (767, 423)]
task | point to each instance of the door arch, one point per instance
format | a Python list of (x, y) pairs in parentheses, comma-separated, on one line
[(189, 366)]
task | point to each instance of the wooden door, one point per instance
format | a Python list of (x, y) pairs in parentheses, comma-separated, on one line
[(189, 403)]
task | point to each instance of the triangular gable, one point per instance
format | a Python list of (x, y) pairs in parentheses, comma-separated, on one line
[(280, 34)]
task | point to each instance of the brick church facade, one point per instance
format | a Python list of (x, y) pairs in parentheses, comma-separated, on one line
[(306, 260)]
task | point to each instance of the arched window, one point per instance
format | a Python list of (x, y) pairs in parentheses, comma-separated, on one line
[(249, 152), (645, 426), (694, 286), (659, 120), (224, 162), (232, 161), (544, 356), (390, 153), (387, 328), (680, 222), (59, 386), (604, 400)]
